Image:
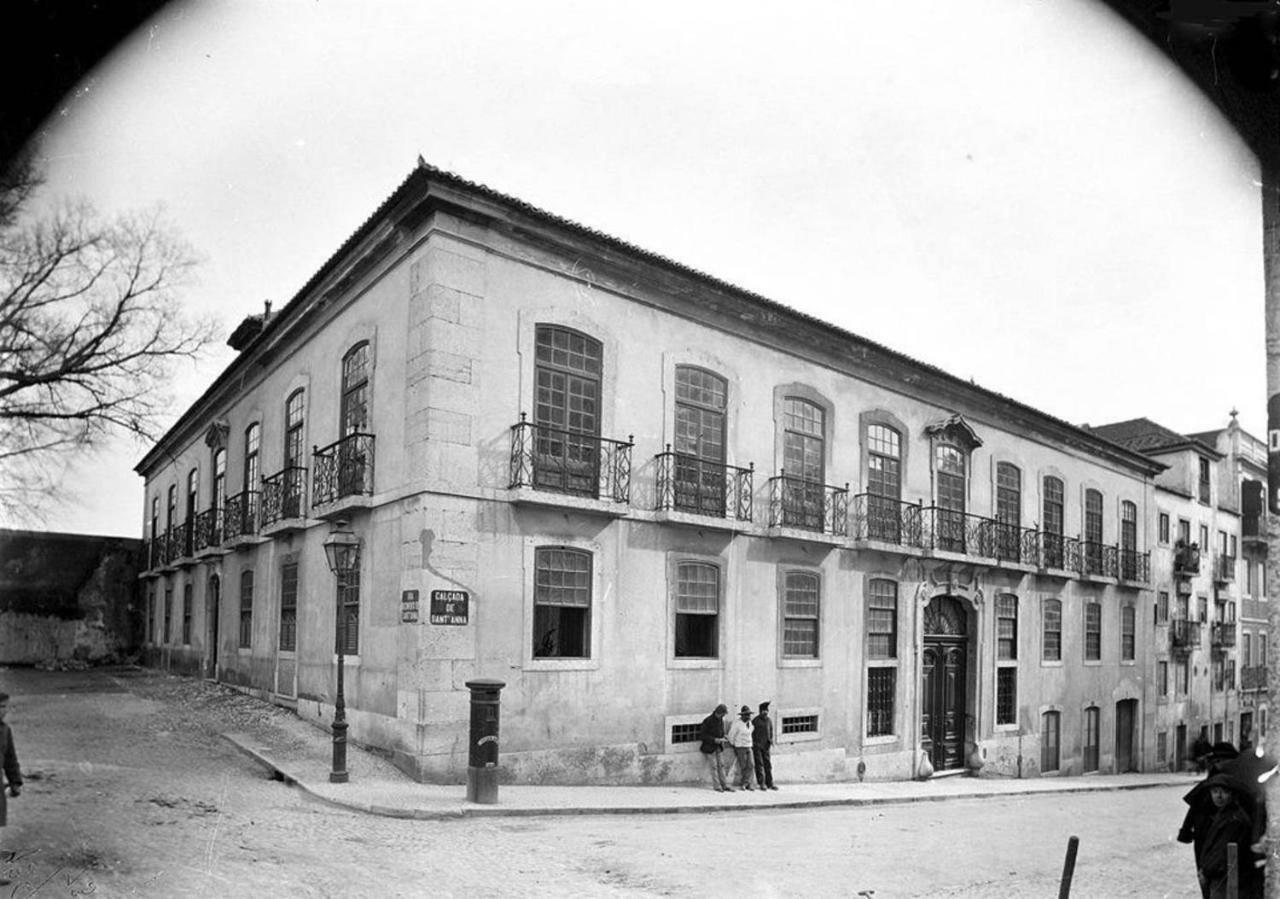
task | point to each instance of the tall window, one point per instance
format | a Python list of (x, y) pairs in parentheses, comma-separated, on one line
[(294, 455), (1008, 511), (701, 399), (1093, 531), (1092, 632), (1182, 677), (155, 531), (193, 494), (884, 483), (1162, 677), (1163, 528), (1092, 727), (168, 613), (1204, 480), (1053, 505), (1052, 630), (1184, 530), (951, 477), (1162, 607), (697, 610), (355, 390), (252, 445), (882, 653), (1128, 540), (219, 497), (186, 614), (803, 461), (1204, 538), (1050, 732), (561, 603), (151, 613), (246, 609), (289, 607), (1127, 633), (1006, 627), (347, 627), (173, 507), (800, 615), (566, 408)]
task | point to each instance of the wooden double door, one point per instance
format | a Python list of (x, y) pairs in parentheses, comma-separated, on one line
[(944, 671)]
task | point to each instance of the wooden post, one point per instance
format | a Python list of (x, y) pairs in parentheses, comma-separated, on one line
[(1068, 868), (1233, 871)]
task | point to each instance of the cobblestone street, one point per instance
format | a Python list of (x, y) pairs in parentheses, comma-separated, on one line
[(131, 792)]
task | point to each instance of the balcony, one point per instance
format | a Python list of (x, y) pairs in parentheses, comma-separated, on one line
[(693, 486), (1134, 566), (1253, 677), (882, 519), (1060, 553), (208, 533), (1224, 568), (804, 505), (284, 500), (1186, 558), (1184, 634), (179, 548), (240, 518), (1223, 635), (1253, 529), (554, 461), (342, 476), (1099, 560)]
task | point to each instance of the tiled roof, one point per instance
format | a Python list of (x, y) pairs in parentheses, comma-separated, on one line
[(1146, 436)]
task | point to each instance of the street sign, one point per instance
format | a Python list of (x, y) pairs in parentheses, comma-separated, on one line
[(449, 606)]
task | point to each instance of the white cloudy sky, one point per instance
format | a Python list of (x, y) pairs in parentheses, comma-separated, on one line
[(1023, 193)]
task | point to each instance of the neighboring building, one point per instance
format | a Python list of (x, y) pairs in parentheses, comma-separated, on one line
[(645, 491), (67, 597), (1243, 486), (1197, 527)]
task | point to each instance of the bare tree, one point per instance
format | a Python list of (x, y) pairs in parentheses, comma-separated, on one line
[(90, 331)]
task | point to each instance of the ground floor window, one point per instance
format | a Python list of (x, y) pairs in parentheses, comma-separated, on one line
[(186, 614), (1162, 747), (1007, 695), (347, 635), (246, 609), (1050, 730), (697, 610), (151, 613), (1162, 677), (168, 614), (289, 607), (1092, 724), (561, 603), (881, 686)]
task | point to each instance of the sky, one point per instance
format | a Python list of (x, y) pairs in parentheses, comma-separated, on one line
[(1026, 194)]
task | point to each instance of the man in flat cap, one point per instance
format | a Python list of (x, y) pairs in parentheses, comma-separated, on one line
[(761, 742), (711, 733)]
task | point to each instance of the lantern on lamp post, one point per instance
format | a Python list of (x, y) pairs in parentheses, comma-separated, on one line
[(342, 550)]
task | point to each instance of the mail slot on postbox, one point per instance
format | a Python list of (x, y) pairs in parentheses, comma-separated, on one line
[(482, 759)]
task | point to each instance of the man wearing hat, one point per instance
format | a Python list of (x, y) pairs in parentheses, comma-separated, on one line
[(711, 733), (761, 742), (740, 740), (1230, 824)]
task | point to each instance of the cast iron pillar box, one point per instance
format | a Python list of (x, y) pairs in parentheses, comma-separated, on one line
[(482, 760)]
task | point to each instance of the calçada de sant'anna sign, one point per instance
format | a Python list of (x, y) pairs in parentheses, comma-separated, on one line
[(449, 606)]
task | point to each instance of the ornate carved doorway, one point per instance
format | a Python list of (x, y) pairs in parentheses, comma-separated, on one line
[(944, 670)]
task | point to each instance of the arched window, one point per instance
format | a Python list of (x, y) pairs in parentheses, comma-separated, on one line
[(701, 400), (1054, 549), (294, 456), (697, 624), (884, 483), (1008, 512), (355, 390), (252, 468), (567, 371), (1093, 531)]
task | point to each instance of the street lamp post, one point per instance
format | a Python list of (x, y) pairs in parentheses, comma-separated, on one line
[(342, 550)]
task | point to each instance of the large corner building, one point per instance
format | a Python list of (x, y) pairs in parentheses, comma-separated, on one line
[(631, 491)]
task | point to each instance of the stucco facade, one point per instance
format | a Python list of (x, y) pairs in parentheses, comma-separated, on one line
[(647, 492)]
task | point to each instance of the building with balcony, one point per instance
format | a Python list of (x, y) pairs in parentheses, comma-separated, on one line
[(1242, 479), (631, 491), (1197, 659)]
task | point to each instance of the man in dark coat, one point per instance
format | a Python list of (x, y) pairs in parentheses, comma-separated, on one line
[(1200, 807), (1230, 824), (711, 734), (761, 742), (12, 773)]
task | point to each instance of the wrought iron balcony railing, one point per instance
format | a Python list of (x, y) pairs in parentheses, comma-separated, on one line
[(1134, 566), (1253, 677), (689, 484), (283, 495), (179, 539), (1186, 558), (1184, 633), (1098, 559), (240, 515), (1060, 553), (887, 520), (562, 461), (208, 529), (1224, 568), (808, 505), (342, 469), (1254, 526), (1223, 634)]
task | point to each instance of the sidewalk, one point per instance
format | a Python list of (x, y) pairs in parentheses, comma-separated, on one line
[(377, 787)]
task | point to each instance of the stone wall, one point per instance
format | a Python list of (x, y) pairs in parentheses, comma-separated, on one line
[(68, 596)]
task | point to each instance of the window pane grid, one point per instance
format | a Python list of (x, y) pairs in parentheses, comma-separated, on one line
[(1052, 630), (562, 578), (881, 684), (697, 589), (1092, 631), (882, 620), (1007, 695), (883, 441)]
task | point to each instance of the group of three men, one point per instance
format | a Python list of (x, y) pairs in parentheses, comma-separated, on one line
[(750, 742)]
